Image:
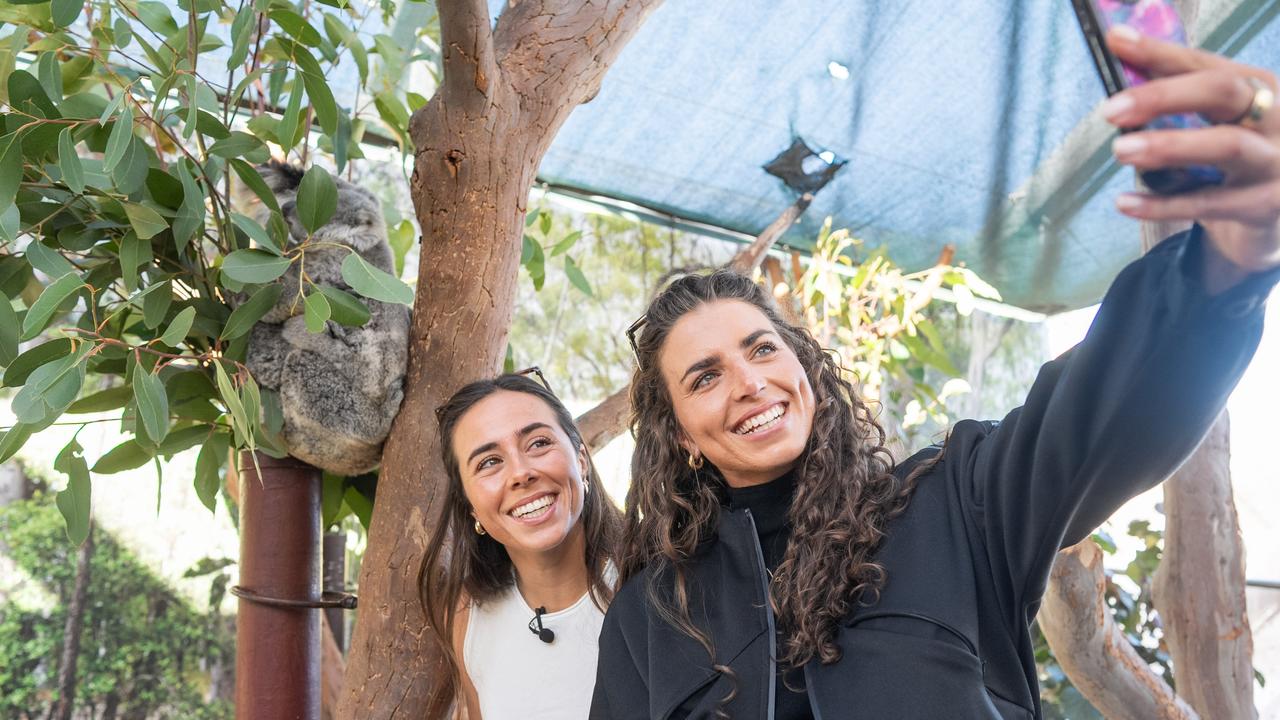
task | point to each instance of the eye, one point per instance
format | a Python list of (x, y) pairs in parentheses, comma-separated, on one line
[(764, 349), (539, 443), (487, 463), (703, 380)]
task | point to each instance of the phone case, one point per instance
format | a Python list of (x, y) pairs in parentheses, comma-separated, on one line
[(1156, 19)]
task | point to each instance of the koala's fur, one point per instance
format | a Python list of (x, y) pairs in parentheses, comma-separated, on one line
[(339, 388)]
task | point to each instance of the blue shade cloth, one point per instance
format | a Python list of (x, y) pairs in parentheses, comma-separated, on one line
[(949, 107)]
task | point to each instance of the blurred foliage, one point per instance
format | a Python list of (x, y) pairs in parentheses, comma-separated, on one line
[(144, 651)]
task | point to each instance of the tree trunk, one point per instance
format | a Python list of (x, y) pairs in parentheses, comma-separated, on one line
[(72, 631), (1093, 650), (1199, 588), (479, 141)]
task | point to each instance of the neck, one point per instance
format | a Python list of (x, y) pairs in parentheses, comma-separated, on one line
[(555, 578)]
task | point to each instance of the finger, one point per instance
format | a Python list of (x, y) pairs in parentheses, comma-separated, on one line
[(1220, 95), (1242, 154), (1257, 205), (1160, 58)]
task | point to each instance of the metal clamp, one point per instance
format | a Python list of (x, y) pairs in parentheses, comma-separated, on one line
[(328, 599)]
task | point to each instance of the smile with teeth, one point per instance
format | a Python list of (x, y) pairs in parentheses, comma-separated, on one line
[(763, 421), (534, 508)]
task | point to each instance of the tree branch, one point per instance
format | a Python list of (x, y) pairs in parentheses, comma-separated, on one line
[(1093, 650), (470, 65), (750, 257)]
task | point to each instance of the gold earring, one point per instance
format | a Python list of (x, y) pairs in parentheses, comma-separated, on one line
[(480, 528), (695, 462)]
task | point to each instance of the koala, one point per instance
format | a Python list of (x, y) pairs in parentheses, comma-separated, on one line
[(340, 388)]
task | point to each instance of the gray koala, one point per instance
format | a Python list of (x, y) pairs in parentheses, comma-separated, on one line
[(339, 388)]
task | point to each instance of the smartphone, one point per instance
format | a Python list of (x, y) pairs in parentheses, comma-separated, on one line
[(1157, 19)]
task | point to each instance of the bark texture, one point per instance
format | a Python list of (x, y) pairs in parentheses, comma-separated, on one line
[(1093, 650), (1199, 588), (72, 631), (506, 92)]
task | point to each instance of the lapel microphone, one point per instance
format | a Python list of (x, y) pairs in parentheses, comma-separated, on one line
[(545, 634)]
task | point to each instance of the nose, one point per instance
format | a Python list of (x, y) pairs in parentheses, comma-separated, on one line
[(519, 472), (748, 382)]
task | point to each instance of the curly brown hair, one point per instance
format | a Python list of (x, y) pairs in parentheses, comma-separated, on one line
[(460, 564), (845, 489)]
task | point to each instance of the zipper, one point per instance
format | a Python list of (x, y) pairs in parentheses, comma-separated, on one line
[(763, 574)]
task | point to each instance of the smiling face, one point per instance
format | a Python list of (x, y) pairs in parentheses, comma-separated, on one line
[(740, 394), (520, 473)]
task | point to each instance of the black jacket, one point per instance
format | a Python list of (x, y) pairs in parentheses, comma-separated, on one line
[(968, 560)]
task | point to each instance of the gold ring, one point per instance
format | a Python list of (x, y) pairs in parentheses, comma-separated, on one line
[(1263, 98)]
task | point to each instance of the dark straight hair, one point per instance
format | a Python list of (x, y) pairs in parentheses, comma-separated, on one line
[(463, 565)]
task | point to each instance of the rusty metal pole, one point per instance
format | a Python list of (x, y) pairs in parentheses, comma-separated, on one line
[(335, 580), (278, 647)]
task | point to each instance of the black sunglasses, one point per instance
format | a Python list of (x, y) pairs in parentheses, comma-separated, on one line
[(631, 335), (532, 370)]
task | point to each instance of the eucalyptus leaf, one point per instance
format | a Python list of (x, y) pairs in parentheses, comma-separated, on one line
[(125, 456), (134, 251), (16, 374), (8, 332), (179, 327), (63, 13), (103, 400), (13, 440), (374, 283), (119, 140), (46, 260), (317, 198), (208, 464), (147, 223), (155, 304), (152, 403), (10, 168), (69, 162), (576, 277), (254, 266), (47, 304), (244, 317), (75, 501), (316, 310), (345, 308)]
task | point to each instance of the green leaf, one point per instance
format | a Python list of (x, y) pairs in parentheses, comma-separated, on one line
[(49, 69), (8, 332), (254, 266), (374, 283), (317, 198), (241, 34), (125, 456), (131, 174), (244, 317), (232, 401), (527, 248), (20, 369), (240, 144), (147, 223), (331, 491), (208, 464), (51, 388), (537, 266), (13, 440), (360, 506), (74, 502), (190, 218), (69, 162), (576, 277), (250, 176), (346, 309), (317, 89), (155, 304), (183, 439), (316, 309), (256, 232), (532, 217), (46, 260), (10, 169), (103, 400), (119, 140), (288, 130), (567, 243), (134, 252), (153, 404), (179, 327), (63, 13), (544, 224), (47, 304), (401, 238)]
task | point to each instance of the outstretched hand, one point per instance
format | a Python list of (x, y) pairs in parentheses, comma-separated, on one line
[(1241, 217)]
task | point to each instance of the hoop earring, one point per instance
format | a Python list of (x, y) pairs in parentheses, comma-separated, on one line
[(695, 462), (480, 529)]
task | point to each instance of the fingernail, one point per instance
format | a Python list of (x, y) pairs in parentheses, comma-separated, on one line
[(1117, 105), (1129, 201), (1128, 145), (1126, 33)]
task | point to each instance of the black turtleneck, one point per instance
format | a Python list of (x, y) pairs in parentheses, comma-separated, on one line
[(769, 504)]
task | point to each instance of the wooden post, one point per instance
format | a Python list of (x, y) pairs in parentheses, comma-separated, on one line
[(278, 648)]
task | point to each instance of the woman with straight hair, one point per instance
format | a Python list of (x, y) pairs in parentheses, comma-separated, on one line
[(520, 569), (778, 564)]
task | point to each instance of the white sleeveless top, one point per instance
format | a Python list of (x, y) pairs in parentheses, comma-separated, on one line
[(519, 677)]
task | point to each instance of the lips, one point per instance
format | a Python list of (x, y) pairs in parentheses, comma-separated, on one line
[(762, 420)]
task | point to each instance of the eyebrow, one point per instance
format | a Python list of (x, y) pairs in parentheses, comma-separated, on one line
[(531, 427), (711, 360)]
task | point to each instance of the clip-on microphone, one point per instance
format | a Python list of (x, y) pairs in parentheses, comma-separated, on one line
[(545, 634)]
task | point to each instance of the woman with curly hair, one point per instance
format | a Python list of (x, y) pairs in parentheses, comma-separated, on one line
[(777, 563), (520, 568)]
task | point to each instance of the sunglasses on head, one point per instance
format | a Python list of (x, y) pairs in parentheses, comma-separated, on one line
[(533, 370)]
